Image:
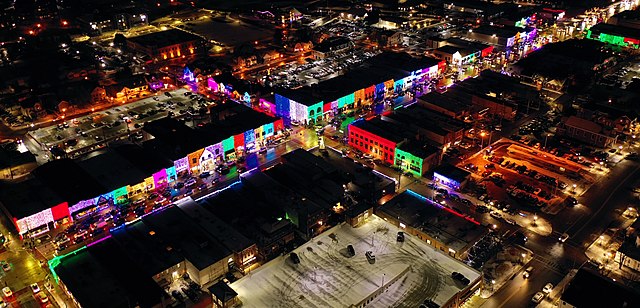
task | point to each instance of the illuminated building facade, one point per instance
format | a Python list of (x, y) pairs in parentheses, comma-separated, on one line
[(450, 176), (169, 44), (376, 137), (615, 35), (379, 78)]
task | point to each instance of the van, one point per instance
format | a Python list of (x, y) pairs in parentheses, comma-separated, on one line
[(527, 272), (351, 251)]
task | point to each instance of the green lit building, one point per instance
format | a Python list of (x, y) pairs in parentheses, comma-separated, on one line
[(416, 158), (615, 35)]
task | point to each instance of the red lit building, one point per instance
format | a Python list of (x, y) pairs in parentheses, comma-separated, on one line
[(376, 137)]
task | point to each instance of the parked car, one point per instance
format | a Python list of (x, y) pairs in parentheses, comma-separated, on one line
[(495, 215), (294, 258), (6, 291), (538, 297), (34, 288), (400, 236), (547, 288), (350, 250), (370, 256)]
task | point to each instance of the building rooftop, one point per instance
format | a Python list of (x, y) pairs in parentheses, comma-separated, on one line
[(452, 172), (105, 267), (214, 226), (222, 291), (616, 30), (589, 289), (445, 101), (383, 129), (69, 180), (583, 124), (443, 224), (173, 139), (418, 149), (180, 232), (144, 159), (112, 171), (331, 43), (229, 119), (20, 200), (164, 38), (504, 31), (375, 70)]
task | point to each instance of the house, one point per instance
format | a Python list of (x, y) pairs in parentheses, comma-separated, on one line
[(331, 46), (223, 295), (129, 88), (388, 38), (628, 255), (587, 131)]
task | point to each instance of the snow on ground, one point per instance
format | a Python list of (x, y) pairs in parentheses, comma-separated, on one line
[(327, 277)]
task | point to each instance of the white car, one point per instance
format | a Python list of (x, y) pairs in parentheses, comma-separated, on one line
[(34, 288), (538, 297), (495, 215), (547, 288), (510, 221), (7, 292)]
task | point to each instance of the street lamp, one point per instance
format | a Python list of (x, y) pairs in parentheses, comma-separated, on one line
[(535, 220), (574, 188)]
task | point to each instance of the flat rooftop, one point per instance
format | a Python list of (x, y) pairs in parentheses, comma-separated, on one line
[(384, 129), (452, 172), (616, 30), (164, 38), (450, 228), (327, 277), (590, 289)]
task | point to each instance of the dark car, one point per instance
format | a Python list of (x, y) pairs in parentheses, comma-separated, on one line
[(294, 258), (177, 295), (482, 209), (351, 250), (205, 174), (400, 236)]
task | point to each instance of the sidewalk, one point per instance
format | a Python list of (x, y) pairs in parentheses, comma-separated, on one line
[(554, 297), (505, 265)]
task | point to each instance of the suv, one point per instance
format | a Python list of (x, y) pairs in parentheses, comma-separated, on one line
[(400, 236)]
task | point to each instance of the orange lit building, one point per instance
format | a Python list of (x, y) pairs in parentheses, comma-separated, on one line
[(166, 45)]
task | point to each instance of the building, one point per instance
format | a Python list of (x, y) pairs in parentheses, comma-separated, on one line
[(376, 137), (332, 46), (378, 78), (628, 255), (223, 296), (626, 18), (587, 131), (590, 289), (448, 103), (68, 190), (451, 176), (417, 158), (428, 126), (388, 38), (443, 228), (255, 218), (166, 45), (152, 253), (354, 14), (503, 37), (615, 34), (127, 89)]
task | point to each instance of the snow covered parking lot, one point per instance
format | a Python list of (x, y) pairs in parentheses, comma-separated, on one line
[(411, 272)]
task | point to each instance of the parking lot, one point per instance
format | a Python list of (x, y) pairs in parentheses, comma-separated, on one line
[(91, 132), (295, 75), (328, 276)]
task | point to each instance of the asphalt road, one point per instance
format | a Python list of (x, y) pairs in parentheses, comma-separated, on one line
[(599, 208)]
